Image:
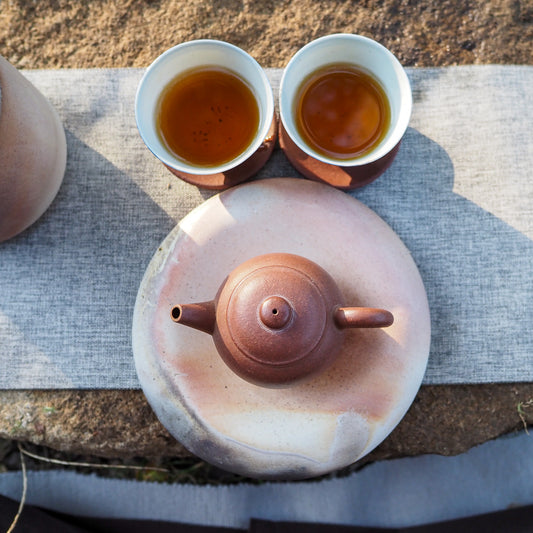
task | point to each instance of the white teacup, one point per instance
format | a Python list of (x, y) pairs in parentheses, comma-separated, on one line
[(363, 54), (194, 55)]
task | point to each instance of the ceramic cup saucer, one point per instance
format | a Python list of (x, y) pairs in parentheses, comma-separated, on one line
[(236, 175), (344, 178)]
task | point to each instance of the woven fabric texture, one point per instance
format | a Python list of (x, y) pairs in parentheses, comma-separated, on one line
[(459, 194)]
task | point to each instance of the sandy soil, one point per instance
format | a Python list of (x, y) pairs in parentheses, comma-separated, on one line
[(73, 34)]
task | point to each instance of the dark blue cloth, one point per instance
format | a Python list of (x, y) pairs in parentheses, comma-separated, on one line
[(36, 520)]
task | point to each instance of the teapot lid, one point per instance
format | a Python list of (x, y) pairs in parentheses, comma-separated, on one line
[(275, 319)]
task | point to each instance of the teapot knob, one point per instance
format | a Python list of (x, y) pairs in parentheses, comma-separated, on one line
[(275, 312)]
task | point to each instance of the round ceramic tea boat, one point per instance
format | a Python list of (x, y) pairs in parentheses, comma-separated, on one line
[(33, 152), (253, 266)]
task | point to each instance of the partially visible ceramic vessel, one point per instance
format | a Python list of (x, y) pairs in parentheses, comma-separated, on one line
[(33, 152)]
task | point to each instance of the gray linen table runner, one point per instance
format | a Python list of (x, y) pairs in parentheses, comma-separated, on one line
[(459, 194)]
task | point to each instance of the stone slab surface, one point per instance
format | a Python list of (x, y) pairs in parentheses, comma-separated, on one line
[(445, 420)]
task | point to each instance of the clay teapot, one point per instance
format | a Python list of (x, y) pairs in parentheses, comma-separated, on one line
[(278, 319)]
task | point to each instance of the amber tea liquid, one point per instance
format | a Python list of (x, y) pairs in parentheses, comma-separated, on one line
[(207, 116), (342, 112)]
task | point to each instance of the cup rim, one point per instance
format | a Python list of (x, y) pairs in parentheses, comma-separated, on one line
[(398, 129), (265, 121)]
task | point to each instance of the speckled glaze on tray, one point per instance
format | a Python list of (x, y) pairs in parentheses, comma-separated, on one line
[(308, 429)]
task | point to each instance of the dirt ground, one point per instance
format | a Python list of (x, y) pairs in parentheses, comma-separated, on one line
[(132, 33)]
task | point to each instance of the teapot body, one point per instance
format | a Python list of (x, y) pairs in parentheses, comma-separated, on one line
[(275, 319)]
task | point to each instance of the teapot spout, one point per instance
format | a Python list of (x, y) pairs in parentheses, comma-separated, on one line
[(199, 316), (362, 317)]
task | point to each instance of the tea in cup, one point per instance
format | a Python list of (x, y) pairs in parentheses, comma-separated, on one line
[(205, 109), (345, 104)]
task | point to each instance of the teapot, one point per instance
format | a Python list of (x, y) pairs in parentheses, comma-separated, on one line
[(278, 319)]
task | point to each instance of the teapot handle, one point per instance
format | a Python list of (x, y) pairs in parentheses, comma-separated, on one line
[(362, 317)]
